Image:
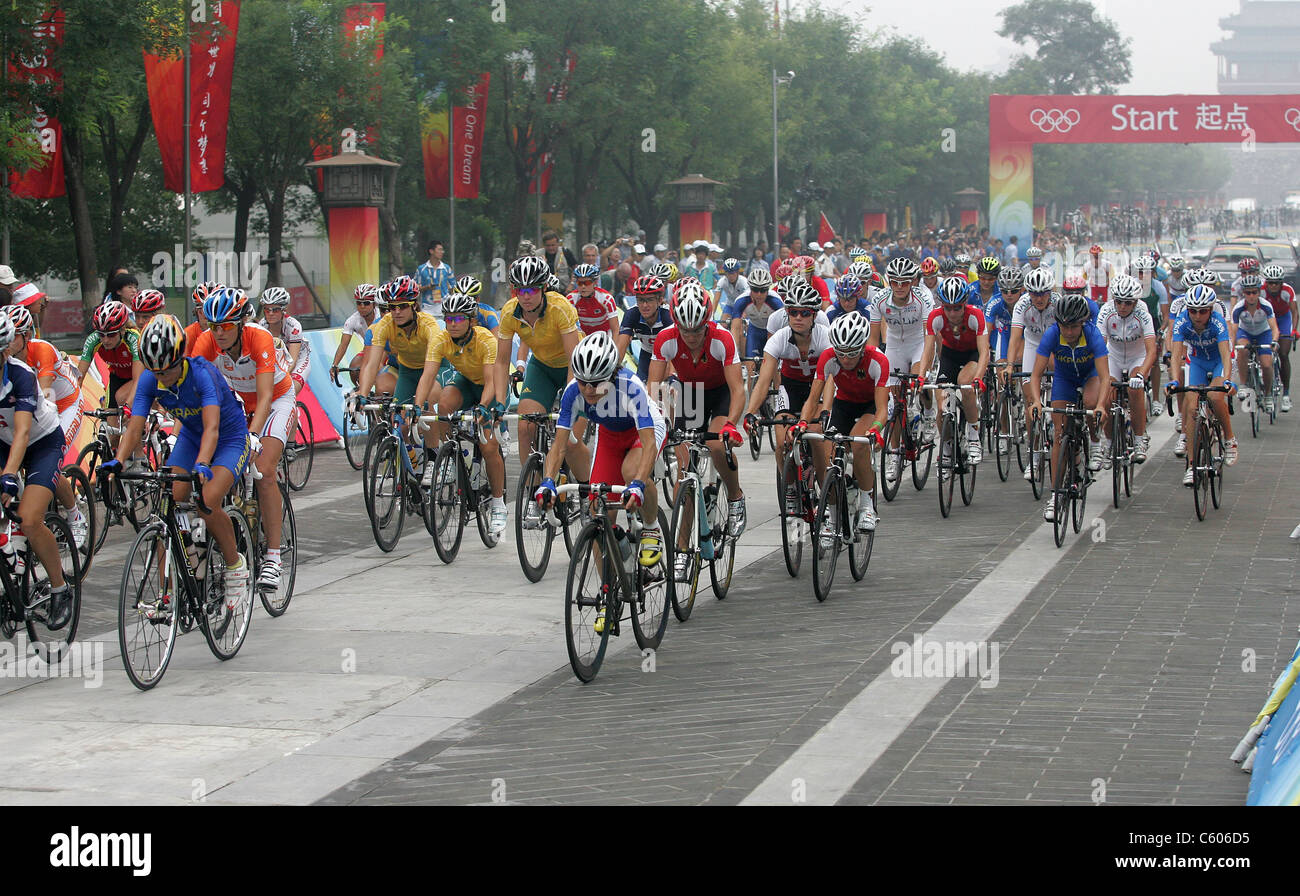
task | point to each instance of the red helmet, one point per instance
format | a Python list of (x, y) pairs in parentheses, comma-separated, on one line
[(783, 270), (1246, 265), (929, 267), (1095, 250), (1074, 281), (803, 263), (150, 301), (647, 285), (111, 317)]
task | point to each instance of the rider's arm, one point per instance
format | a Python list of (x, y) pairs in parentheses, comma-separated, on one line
[(759, 392), (873, 339), (1149, 362), (571, 341), (428, 380), (369, 369), (265, 395), (18, 447), (982, 342), (1016, 348), (927, 353), (809, 410), (344, 339), (1035, 381), (1225, 351), (211, 433), (737, 387), (1102, 365)]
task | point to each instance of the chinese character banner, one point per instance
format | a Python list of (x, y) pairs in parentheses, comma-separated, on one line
[(45, 180)]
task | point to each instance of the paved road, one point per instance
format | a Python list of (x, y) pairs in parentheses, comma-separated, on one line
[(1122, 668)]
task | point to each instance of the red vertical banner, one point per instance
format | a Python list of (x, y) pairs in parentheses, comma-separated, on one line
[(45, 180), (467, 124), (556, 93), (212, 68), (360, 22)]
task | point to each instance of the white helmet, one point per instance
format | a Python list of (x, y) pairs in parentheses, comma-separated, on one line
[(849, 332), (1202, 295), (595, 359), (1034, 252), (1040, 280), (1126, 287), (690, 310)]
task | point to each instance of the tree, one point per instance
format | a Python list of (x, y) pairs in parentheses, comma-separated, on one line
[(1075, 49)]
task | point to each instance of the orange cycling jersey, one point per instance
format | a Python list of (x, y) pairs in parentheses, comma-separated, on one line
[(192, 334), (47, 361), (257, 354)]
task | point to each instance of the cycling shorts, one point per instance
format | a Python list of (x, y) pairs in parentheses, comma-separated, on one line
[(846, 414), (1263, 342), (1201, 372), (232, 452), (904, 356), (42, 459), (610, 448)]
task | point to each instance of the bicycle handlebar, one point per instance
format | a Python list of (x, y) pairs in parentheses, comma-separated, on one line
[(682, 436), (167, 476)]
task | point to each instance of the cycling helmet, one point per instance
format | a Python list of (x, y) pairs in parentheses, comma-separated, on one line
[(1011, 278), (404, 289), (1040, 280), (760, 278), (800, 294), (364, 292), (22, 319), (849, 333), (1200, 296), (1143, 263), (1194, 277), (150, 301), (862, 270), (963, 260), (1274, 273), (162, 344), (951, 292), (275, 296), (929, 267), (1034, 252), (595, 359), (1072, 310), (803, 263), (1074, 281), (857, 252), (226, 305), (459, 303), (901, 268), (848, 287), (783, 270), (7, 332), (947, 266), (647, 285), (553, 284), (1247, 264), (690, 309), (663, 270), (373, 293), (111, 317), (1209, 277), (201, 291), (528, 272), (469, 286), (787, 282), (1176, 263), (730, 264), (988, 265), (586, 272), (1094, 250), (673, 273), (1250, 281), (1126, 287)]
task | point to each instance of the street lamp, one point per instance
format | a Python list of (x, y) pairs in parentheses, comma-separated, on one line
[(776, 195)]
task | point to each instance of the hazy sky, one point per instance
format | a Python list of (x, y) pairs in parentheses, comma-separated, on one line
[(1170, 38)]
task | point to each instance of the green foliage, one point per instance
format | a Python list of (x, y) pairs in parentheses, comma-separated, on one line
[(1074, 49)]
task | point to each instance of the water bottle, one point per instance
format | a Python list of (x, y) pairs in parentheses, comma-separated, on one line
[(706, 530), (915, 427), (6, 542), (851, 495), (477, 479), (18, 542), (624, 547), (187, 539)]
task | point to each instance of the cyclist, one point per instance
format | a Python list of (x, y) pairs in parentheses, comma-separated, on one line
[(367, 296), (803, 266), (595, 306), (200, 323), (472, 352), (58, 384), (1033, 260), (1282, 297), (1081, 368), (31, 440), (859, 397), (629, 434), (118, 344), (963, 335), (930, 276), (644, 321), (704, 357), (897, 321), (985, 288), (246, 356), (1254, 323), (148, 303), (1203, 329), (795, 349), (487, 315), (1131, 345), (1098, 273), (964, 266), (731, 286), (213, 440), (998, 311), (546, 323), (275, 320), (751, 313), (850, 295), (1246, 266)]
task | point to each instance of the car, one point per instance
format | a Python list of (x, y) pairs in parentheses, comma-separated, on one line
[(1277, 250), (1224, 258)]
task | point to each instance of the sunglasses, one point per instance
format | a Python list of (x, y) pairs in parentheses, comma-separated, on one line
[(1014, 290), (395, 306), (103, 335), (1040, 292), (364, 304), (456, 318), (527, 291), (1198, 310), (1250, 292), (695, 332), (1126, 301), (585, 282), (800, 312), (651, 297), (224, 328)]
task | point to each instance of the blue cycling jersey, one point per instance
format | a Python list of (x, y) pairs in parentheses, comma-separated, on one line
[(1077, 361), (976, 298), (201, 385), (1203, 344), (643, 332), (836, 309), (998, 316), (626, 406)]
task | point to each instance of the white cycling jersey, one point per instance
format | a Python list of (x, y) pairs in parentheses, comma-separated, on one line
[(903, 324), (1125, 336)]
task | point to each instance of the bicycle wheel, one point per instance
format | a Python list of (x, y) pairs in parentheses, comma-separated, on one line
[(889, 487), (947, 465), (386, 494), (445, 519), (48, 642), (354, 439), (88, 461), (921, 475), (653, 587), (585, 597), (1118, 455), (483, 516), (685, 518), (1002, 440), (1061, 495), (376, 437), (793, 525), (147, 604), (1216, 467), (1202, 471), (276, 602), (860, 551), (826, 547), (1018, 430), (968, 471), (756, 442), (532, 541), (724, 545), (301, 452), (569, 514), (84, 500), (224, 619), (1082, 476), (1039, 460)]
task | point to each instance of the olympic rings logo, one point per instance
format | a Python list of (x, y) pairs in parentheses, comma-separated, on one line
[(1292, 117), (1049, 120)]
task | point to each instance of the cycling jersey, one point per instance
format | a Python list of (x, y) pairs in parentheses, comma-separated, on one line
[(1075, 361), (862, 306), (978, 299), (356, 325), (997, 314), (120, 360), (973, 325), (469, 358), (594, 313), (819, 284), (1282, 301), (1031, 320), (729, 292), (756, 314), (627, 405), (717, 353), (794, 365), (859, 383), (413, 346), (291, 333), (46, 360), (192, 334), (1179, 305), (643, 332), (19, 391), (901, 323), (545, 337), (1203, 344), (1254, 322), (487, 317), (1098, 273), (258, 355), (1119, 329), (1174, 285), (201, 385), (368, 339)]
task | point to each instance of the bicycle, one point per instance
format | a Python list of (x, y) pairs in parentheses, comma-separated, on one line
[(124, 502), (300, 451), (243, 497), (460, 486), (1250, 399), (1207, 444), (169, 587), (766, 410), (1121, 439), (380, 414), (1070, 496), (905, 439), (701, 497), (1008, 424), (605, 575), (796, 497), (836, 524), (953, 463), (534, 532), (356, 430), (1039, 433), (27, 593), (394, 482)]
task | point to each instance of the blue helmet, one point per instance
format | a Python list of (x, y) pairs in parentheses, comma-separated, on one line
[(730, 264), (848, 287), (951, 292), (225, 305)]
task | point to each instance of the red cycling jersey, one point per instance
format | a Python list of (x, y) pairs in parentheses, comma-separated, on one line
[(717, 353), (595, 313), (964, 340), (1282, 301), (860, 383)]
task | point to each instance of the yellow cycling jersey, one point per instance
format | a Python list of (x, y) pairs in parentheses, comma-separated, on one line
[(414, 350), (468, 359), (546, 337)]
